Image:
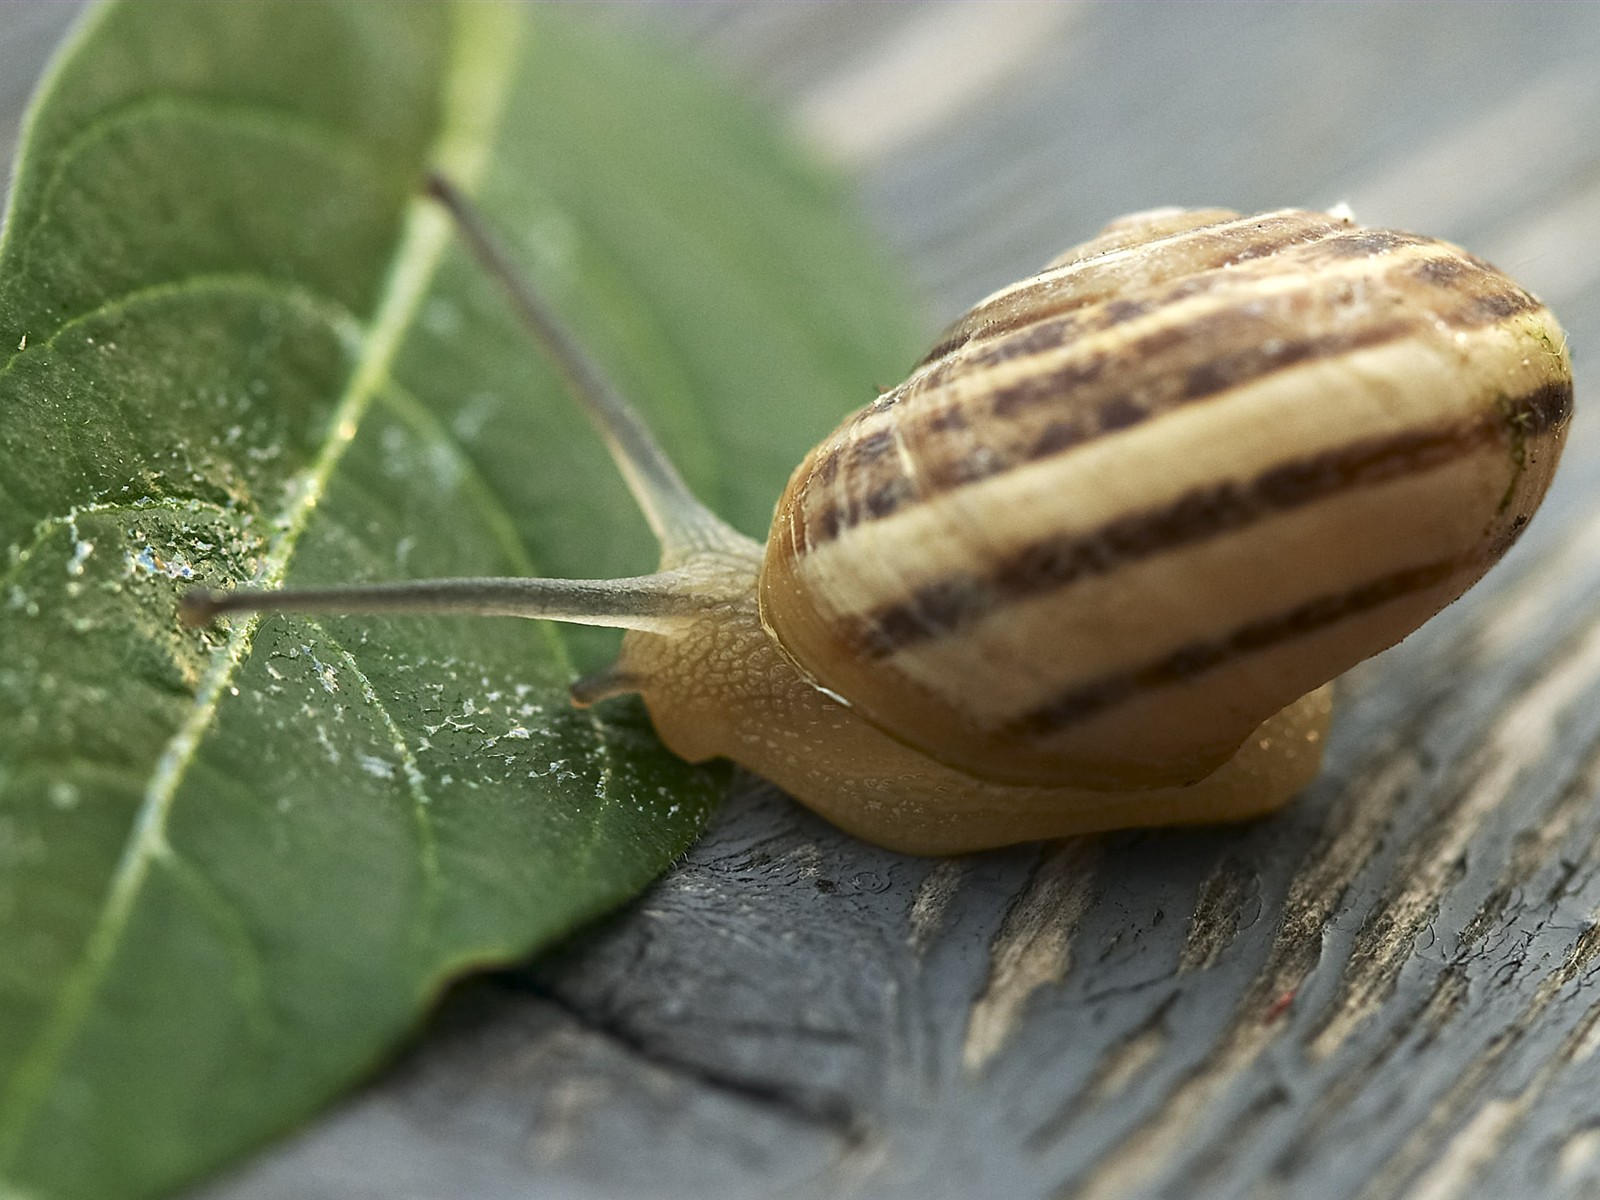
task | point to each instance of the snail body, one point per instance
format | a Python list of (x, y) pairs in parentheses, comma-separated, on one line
[(724, 687), (1091, 565)]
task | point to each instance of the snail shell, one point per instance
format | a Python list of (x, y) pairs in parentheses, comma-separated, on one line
[(1093, 563), (1134, 505)]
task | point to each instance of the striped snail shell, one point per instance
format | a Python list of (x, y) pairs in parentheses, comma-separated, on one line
[(1093, 563), (1134, 505)]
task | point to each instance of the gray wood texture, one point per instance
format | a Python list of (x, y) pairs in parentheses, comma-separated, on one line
[(1390, 990)]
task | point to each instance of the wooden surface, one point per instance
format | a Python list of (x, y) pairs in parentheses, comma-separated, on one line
[(1392, 989)]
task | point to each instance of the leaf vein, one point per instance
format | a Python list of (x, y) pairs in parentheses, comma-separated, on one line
[(283, 123), (494, 510), (421, 802), (341, 320), (234, 930)]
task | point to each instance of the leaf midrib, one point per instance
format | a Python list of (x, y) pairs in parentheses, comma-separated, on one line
[(474, 89)]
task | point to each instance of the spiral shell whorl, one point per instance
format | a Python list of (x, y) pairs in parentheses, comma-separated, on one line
[(1134, 505)]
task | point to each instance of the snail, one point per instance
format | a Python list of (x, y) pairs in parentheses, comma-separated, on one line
[(1093, 564)]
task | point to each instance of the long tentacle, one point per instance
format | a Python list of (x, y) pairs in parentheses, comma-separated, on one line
[(680, 522)]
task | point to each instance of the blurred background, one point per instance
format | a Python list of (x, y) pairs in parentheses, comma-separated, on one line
[(988, 136), (991, 134)]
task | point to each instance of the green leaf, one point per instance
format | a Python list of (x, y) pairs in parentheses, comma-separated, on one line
[(235, 867)]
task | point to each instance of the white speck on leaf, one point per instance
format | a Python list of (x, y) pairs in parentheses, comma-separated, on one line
[(264, 453), (468, 423), (375, 766), (328, 747), (445, 466)]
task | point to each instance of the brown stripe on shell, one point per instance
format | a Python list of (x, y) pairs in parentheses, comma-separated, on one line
[(1052, 319), (1237, 326), (1087, 398), (1041, 328), (1196, 249), (1084, 701), (945, 606)]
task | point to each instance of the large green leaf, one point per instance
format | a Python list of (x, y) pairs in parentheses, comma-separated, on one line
[(235, 866)]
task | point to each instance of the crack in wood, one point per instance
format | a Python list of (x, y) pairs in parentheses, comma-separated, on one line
[(1033, 947), (1210, 1167), (1479, 1136), (934, 894), (1350, 835), (1443, 1002), (1123, 1063), (1436, 860), (1534, 847), (824, 1112), (1218, 912)]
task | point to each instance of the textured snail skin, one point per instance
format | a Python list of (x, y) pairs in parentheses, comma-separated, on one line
[(1130, 508), (722, 688)]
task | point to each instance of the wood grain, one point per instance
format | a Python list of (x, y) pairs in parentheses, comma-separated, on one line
[(1390, 990)]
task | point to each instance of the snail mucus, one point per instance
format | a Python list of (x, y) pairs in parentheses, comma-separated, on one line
[(1093, 564)]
